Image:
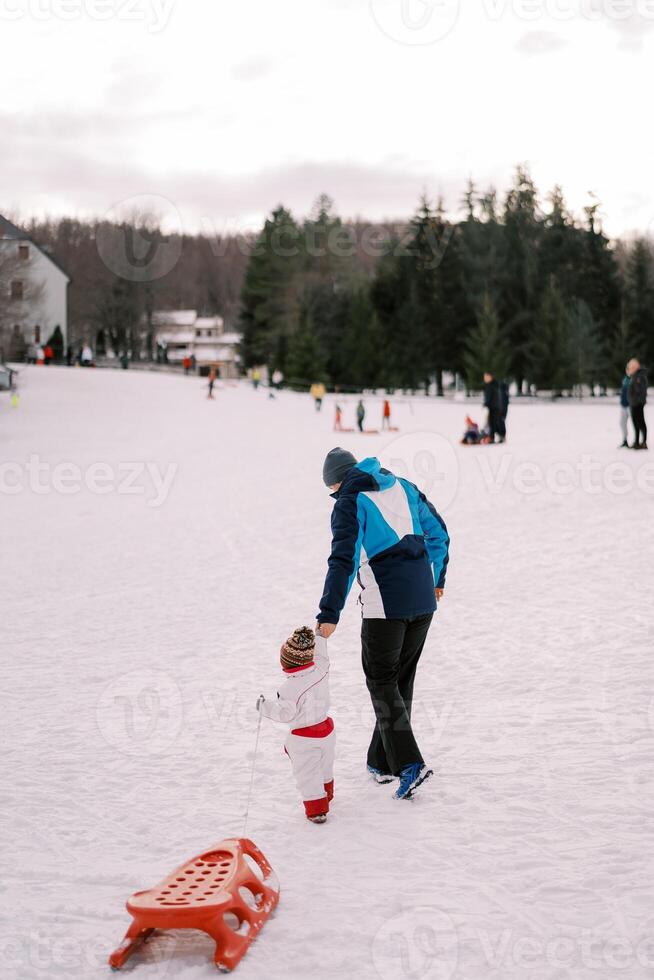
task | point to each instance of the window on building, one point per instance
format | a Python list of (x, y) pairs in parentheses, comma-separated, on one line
[(17, 290), (23, 252)]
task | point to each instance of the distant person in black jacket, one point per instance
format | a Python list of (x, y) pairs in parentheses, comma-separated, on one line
[(624, 410), (493, 403), (637, 393), (504, 399)]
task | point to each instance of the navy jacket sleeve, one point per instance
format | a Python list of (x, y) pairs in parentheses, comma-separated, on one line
[(347, 534), (437, 540)]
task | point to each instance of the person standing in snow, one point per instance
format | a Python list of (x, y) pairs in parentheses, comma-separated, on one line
[(303, 702), (386, 414), (504, 407), (389, 536), (637, 401), (361, 414), (493, 403), (624, 410), (318, 392)]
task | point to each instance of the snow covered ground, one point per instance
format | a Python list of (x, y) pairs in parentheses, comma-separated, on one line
[(147, 585)]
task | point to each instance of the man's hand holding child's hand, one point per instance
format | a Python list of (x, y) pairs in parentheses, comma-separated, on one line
[(439, 594), (325, 629)]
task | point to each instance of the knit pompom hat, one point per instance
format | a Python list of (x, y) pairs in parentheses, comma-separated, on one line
[(298, 649)]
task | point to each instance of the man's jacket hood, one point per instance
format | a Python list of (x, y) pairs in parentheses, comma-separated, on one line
[(366, 475)]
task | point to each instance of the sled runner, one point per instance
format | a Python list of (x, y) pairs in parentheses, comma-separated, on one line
[(216, 892)]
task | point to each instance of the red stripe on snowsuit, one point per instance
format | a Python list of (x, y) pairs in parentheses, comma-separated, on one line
[(320, 730)]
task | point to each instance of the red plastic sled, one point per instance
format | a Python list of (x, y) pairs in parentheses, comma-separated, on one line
[(217, 892)]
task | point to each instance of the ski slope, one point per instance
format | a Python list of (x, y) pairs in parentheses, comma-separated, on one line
[(155, 554)]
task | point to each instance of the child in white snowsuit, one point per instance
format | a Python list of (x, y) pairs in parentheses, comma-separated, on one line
[(303, 703)]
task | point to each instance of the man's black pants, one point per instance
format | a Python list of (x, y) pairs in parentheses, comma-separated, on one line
[(391, 650), (638, 419), (496, 426)]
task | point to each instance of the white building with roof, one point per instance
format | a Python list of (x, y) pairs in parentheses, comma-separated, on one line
[(185, 334), (33, 291)]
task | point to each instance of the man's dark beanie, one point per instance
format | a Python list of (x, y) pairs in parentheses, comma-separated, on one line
[(337, 465)]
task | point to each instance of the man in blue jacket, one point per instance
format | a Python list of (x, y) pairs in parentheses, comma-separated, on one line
[(387, 534)]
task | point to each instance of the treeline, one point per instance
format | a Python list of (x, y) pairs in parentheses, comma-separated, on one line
[(522, 290), (122, 273), (518, 286)]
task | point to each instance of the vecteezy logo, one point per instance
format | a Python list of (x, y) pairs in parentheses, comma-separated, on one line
[(419, 944), (141, 712), (140, 238), (427, 459), (415, 22)]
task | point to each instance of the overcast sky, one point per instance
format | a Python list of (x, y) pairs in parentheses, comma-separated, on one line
[(224, 108)]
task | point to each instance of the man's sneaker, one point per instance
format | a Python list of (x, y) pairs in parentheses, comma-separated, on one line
[(411, 777), (380, 777), (318, 818)]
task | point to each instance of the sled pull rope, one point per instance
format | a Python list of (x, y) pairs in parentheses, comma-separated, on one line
[(254, 762)]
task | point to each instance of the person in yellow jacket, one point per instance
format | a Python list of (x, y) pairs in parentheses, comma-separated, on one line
[(318, 392)]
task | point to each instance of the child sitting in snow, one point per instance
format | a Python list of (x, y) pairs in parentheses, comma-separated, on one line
[(472, 436), (303, 702)]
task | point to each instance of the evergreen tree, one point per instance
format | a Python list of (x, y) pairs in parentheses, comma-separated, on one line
[(391, 295), (305, 362), (622, 345), (363, 361), (548, 353), (485, 347), (270, 294), (639, 300), (480, 248), (519, 288), (598, 281), (561, 246), (584, 348), (428, 345)]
